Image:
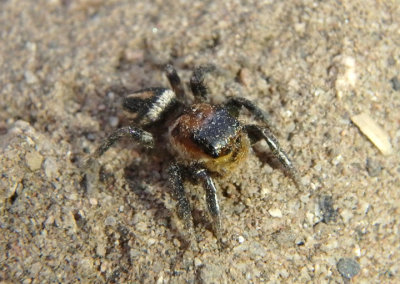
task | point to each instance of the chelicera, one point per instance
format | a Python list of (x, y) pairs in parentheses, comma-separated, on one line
[(207, 140)]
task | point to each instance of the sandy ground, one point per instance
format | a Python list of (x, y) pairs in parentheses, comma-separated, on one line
[(65, 65)]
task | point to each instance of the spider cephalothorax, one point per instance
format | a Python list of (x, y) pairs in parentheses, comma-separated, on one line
[(205, 138), (209, 135)]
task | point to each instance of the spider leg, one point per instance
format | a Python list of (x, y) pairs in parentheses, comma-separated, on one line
[(143, 137), (175, 172), (149, 105), (256, 133), (211, 200), (234, 104), (175, 82), (197, 85)]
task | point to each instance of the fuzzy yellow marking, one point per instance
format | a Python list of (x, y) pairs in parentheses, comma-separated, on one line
[(230, 161)]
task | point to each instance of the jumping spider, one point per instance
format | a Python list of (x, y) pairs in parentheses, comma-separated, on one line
[(206, 139)]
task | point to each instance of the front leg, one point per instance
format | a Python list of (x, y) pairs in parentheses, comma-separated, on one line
[(143, 137), (211, 200), (256, 133), (176, 183), (234, 104), (175, 82), (199, 89), (175, 172)]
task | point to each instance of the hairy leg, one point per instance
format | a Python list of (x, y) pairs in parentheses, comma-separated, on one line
[(197, 85), (211, 200), (176, 183), (175, 172), (138, 135), (257, 133), (175, 82), (234, 104)]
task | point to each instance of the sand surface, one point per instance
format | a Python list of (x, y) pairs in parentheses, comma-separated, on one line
[(313, 66)]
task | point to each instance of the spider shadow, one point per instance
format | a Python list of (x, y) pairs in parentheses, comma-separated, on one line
[(146, 189), (266, 157), (149, 199)]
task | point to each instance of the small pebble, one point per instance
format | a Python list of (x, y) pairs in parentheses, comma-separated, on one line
[(326, 206), (240, 239), (283, 273), (113, 120), (346, 215), (51, 168), (151, 242), (275, 212), (111, 96), (373, 168), (73, 196), (160, 280), (210, 273), (248, 276), (244, 77), (256, 249), (357, 250), (35, 268), (310, 218), (134, 253), (49, 220), (103, 266), (330, 245), (177, 243), (101, 250), (395, 83), (30, 77), (34, 161), (348, 267), (239, 208), (86, 264), (110, 221), (337, 160), (91, 137), (141, 226), (197, 262)]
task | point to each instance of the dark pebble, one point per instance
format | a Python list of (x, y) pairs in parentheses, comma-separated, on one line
[(348, 267), (395, 83), (373, 168), (326, 206)]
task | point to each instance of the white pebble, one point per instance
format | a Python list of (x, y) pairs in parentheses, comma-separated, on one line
[(110, 221), (275, 212), (113, 120)]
